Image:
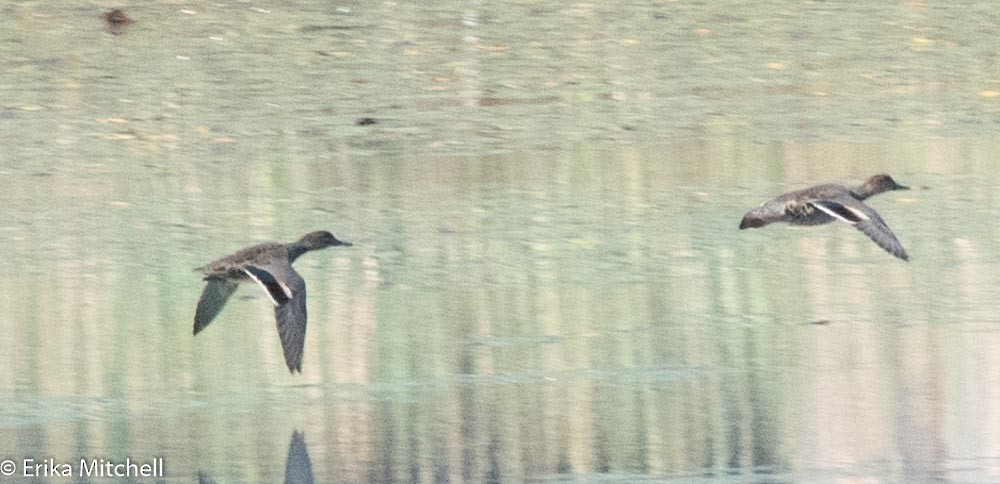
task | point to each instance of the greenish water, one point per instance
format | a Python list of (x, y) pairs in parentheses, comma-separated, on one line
[(547, 281)]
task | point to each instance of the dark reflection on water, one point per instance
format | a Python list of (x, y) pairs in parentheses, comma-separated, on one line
[(298, 467)]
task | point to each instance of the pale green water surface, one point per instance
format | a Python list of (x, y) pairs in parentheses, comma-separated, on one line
[(547, 281)]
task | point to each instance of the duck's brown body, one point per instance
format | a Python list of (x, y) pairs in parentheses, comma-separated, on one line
[(822, 204), (270, 265)]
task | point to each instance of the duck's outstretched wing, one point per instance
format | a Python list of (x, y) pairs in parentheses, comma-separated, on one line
[(865, 219), (270, 278), (291, 320), (287, 291), (213, 298)]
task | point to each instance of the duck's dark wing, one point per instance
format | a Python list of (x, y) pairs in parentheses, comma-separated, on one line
[(213, 298), (287, 291), (865, 219), (291, 319), (270, 278)]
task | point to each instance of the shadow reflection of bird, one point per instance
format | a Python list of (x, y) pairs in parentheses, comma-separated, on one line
[(298, 467)]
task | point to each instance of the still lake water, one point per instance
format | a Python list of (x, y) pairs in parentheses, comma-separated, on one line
[(547, 281)]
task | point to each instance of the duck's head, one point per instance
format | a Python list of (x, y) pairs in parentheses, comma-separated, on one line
[(882, 183), (320, 239)]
